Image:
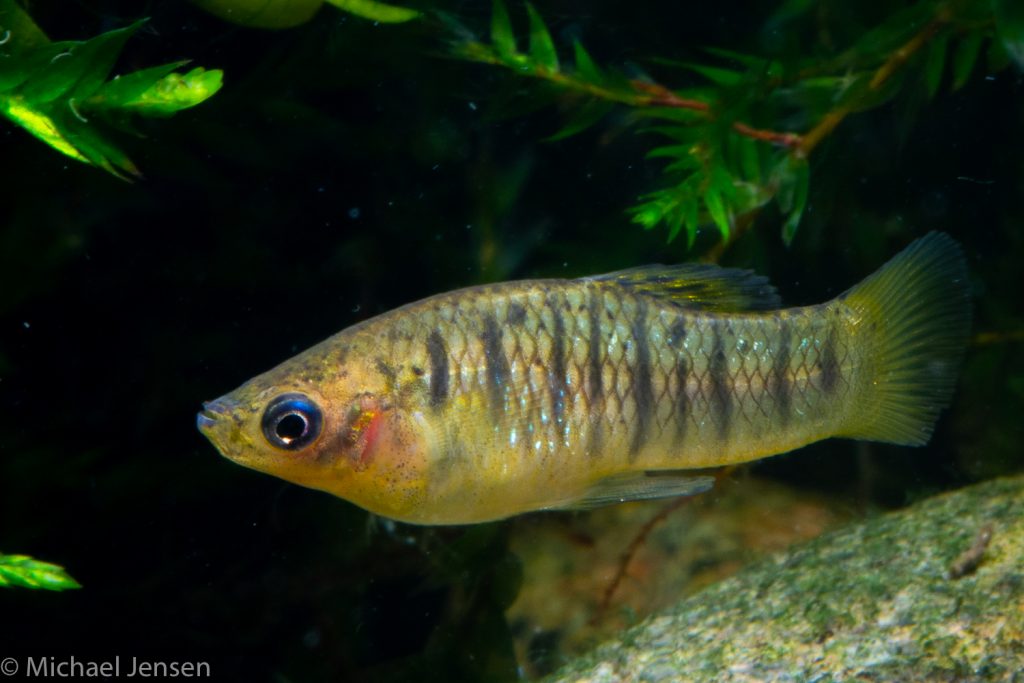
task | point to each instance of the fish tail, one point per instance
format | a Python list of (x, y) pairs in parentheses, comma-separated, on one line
[(915, 315)]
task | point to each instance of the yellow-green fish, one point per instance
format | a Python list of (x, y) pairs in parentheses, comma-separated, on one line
[(500, 399)]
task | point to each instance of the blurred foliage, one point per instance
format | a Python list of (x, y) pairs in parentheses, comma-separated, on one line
[(277, 14), (55, 89), (27, 572), (376, 11), (742, 138)]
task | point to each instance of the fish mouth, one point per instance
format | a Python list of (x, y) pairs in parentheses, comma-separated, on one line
[(213, 411), (205, 421)]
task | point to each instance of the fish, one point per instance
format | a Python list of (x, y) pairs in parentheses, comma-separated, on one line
[(500, 399)]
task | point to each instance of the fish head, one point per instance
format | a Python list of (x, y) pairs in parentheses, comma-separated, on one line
[(343, 431)]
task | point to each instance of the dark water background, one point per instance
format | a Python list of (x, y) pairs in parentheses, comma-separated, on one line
[(346, 169)]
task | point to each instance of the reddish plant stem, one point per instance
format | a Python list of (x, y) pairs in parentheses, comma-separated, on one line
[(631, 550), (640, 539), (660, 96), (896, 60)]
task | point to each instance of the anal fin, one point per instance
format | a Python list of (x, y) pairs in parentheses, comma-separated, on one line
[(627, 486)]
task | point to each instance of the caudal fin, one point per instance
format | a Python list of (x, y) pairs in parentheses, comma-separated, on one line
[(915, 314)]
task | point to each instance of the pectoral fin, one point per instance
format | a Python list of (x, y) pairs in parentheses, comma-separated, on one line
[(627, 486)]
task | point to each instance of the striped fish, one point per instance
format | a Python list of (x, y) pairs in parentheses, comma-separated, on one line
[(495, 400)]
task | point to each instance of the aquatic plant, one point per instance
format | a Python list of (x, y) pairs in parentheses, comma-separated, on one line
[(275, 14), (28, 572), (59, 92), (742, 139)]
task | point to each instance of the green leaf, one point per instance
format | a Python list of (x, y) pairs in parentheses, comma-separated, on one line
[(40, 124), (585, 66), (91, 143), (22, 64), (722, 180), (677, 114), (965, 58), (21, 33), (670, 151), (675, 224), (78, 71), (24, 571), (175, 92), (583, 118), (100, 53), (860, 96), (1009, 18), (677, 206), (749, 158), (813, 96), (653, 211), (890, 35), (935, 64), (502, 37), (691, 218), (376, 11), (755, 65), (719, 76), (793, 178), (542, 48), (49, 88), (684, 165), (750, 196), (752, 62), (716, 209), (125, 90), (648, 214)]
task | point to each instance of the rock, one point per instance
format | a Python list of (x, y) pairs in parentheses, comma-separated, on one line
[(572, 599), (876, 601)]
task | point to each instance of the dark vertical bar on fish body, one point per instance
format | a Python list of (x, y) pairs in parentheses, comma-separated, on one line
[(595, 380), (516, 313), (827, 360), (781, 386), (515, 318), (677, 335), (496, 365), (643, 387), (556, 375), (439, 370), (718, 371)]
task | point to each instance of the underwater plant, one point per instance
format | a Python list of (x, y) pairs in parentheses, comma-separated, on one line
[(57, 90), (742, 139), (275, 14), (28, 572)]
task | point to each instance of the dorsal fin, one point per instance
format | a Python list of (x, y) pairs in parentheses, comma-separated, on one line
[(698, 285)]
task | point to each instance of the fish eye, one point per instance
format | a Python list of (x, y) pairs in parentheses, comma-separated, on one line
[(292, 421)]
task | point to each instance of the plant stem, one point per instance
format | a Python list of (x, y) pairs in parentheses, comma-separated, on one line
[(894, 63), (646, 94), (660, 96)]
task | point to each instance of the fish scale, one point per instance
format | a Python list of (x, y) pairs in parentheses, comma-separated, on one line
[(724, 413), (500, 399)]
